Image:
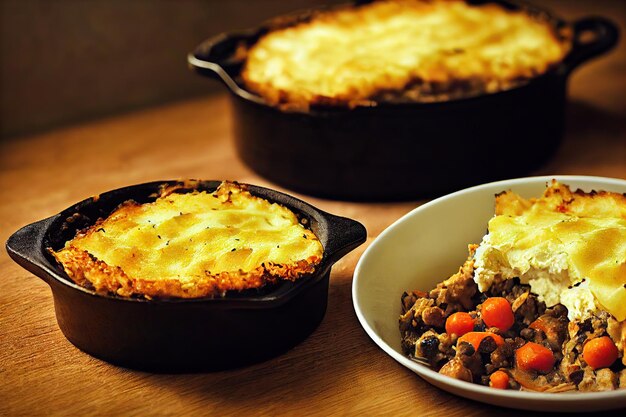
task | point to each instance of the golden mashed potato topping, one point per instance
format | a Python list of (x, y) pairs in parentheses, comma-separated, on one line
[(195, 244), (569, 246), (350, 55)]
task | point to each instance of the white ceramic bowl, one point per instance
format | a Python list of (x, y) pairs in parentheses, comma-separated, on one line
[(428, 245)]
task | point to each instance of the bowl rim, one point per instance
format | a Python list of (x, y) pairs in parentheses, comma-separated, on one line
[(469, 387)]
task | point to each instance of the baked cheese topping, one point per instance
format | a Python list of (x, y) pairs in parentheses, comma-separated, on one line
[(349, 55), (191, 245), (569, 246)]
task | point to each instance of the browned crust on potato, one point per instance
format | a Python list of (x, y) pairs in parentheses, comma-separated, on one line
[(90, 272), (427, 88), (558, 197)]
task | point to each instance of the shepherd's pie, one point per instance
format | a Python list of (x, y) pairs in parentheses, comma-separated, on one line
[(194, 244)]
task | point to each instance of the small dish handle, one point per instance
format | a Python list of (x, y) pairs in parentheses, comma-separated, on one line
[(344, 234), (24, 247), (213, 58), (605, 37)]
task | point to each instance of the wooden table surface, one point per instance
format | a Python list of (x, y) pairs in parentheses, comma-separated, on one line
[(337, 370)]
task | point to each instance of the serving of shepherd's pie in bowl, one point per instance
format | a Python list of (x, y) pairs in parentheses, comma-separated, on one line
[(533, 308)]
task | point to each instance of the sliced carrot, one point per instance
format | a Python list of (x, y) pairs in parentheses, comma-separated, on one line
[(499, 379), (476, 337), (459, 324), (533, 356), (539, 324), (497, 312), (600, 352)]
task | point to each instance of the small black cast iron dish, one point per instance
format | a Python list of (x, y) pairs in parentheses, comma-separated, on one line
[(401, 151), (183, 335)]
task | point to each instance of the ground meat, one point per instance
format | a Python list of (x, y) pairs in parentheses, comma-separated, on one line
[(528, 333), (423, 320), (576, 375), (471, 359), (588, 381), (456, 370), (558, 310), (502, 356), (600, 321), (606, 380), (434, 316), (527, 307), (406, 326), (455, 293), (515, 342), (600, 380), (418, 318), (502, 288), (479, 324), (554, 329), (435, 348), (408, 299), (539, 336), (465, 349), (412, 318), (408, 342), (617, 331)]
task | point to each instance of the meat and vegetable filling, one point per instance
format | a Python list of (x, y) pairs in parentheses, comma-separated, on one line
[(506, 338)]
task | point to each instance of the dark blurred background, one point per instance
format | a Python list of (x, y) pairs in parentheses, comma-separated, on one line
[(66, 61)]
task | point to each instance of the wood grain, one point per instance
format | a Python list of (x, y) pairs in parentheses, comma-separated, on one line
[(338, 370)]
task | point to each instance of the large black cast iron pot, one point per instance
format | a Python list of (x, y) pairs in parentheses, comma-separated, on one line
[(401, 151), (175, 335)]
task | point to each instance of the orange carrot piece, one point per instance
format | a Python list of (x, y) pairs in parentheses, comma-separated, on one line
[(459, 324), (499, 379), (539, 324), (497, 312), (600, 352), (476, 337), (533, 356)]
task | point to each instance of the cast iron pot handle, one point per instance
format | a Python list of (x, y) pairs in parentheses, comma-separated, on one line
[(606, 35), (24, 247), (344, 235), (205, 60)]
